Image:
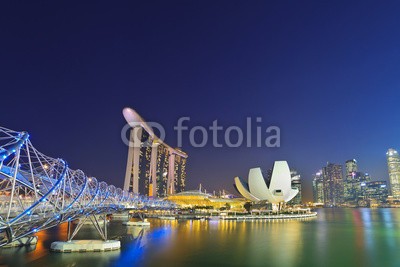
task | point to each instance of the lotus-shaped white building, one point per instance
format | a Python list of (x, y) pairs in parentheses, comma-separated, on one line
[(280, 189)]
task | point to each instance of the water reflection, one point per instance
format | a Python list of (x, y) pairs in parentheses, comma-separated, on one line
[(337, 237)]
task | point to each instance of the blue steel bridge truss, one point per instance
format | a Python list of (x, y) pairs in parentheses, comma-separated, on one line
[(38, 192)]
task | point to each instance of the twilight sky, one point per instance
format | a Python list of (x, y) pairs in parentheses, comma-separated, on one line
[(328, 74)]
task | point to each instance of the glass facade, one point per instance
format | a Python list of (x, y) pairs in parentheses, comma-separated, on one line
[(333, 184), (161, 161), (180, 173), (377, 191), (162, 170), (393, 161), (318, 188), (296, 183), (144, 164), (349, 180)]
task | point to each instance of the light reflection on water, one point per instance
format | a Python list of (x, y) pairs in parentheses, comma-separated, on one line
[(337, 237)]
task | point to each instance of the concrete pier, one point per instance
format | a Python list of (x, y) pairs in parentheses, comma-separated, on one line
[(85, 246)]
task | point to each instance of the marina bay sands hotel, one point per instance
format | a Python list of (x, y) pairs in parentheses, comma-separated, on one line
[(153, 168)]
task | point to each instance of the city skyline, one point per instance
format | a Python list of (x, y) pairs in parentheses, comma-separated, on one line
[(333, 99), (338, 185), (199, 133)]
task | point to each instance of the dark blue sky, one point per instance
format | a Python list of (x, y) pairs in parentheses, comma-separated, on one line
[(327, 73)]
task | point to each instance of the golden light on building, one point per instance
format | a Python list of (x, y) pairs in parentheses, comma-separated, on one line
[(191, 199)]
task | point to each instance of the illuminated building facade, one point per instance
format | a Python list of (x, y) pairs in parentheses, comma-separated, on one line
[(393, 161), (198, 199), (153, 168), (180, 173), (333, 184), (355, 183), (144, 163), (296, 183), (376, 190), (349, 179), (318, 188), (161, 171), (279, 190)]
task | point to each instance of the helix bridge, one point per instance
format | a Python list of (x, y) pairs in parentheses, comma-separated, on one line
[(38, 192)]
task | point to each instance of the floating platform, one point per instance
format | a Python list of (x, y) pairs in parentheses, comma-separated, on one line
[(88, 221), (166, 218), (269, 217), (24, 241), (120, 216), (139, 223), (85, 246)]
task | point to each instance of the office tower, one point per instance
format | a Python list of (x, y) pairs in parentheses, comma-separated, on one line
[(393, 161), (360, 185), (318, 188), (333, 184), (376, 190), (296, 183), (351, 168), (349, 180)]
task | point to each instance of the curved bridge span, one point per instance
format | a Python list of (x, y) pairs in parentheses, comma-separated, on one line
[(38, 192)]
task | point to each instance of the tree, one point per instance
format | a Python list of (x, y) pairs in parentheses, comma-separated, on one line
[(248, 206)]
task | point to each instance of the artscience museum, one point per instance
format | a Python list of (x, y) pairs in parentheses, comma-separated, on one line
[(276, 190)]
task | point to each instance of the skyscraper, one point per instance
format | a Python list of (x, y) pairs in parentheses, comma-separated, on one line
[(361, 180), (180, 172), (349, 179), (318, 188), (393, 161), (161, 171), (354, 183), (153, 168), (376, 190), (296, 183), (333, 184)]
